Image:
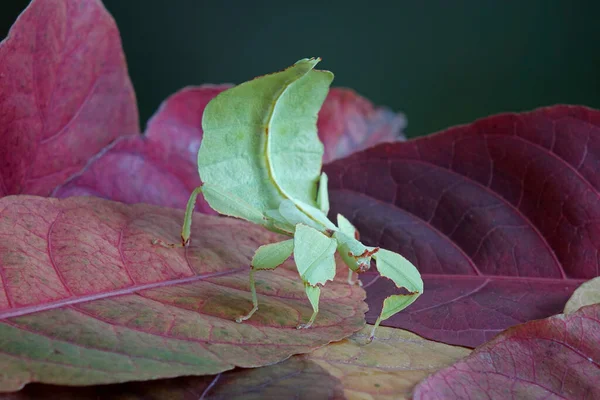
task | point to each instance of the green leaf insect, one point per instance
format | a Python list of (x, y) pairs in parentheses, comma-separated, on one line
[(260, 160)]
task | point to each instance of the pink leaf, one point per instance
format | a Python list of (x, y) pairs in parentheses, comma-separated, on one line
[(64, 93), (161, 168), (349, 123), (553, 358), (501, 217), (158, 168), (85, 298)]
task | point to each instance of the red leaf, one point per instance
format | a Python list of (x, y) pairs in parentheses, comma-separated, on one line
[(500, 216), (86, 299), (162, 168), (64, 93), (158, 168), (349, 123), (557, 357)]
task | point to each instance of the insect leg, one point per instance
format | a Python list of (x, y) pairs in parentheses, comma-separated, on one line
[(313, 293), (269, 256), (352, 282), (187, 223), (254, 298)]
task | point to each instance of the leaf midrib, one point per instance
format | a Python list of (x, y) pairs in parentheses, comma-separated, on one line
[(20, 311)]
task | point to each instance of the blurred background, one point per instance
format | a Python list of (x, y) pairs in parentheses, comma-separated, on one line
[(440, 62)]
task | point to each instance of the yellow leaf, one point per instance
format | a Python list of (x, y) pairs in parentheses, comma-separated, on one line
[(387, 368), (586, 294)]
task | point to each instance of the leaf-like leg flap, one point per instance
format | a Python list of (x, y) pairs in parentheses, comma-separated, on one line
[(187, 222), (313, 293), (323, 194), (314, 255), (392, 305), (269, 256), (272, 255), (398, 269)]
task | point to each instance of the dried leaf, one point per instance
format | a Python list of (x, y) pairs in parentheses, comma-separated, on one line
[(86, 299), (64, 93), (586, 294), (387, 368), (501, 217), (294, 378)]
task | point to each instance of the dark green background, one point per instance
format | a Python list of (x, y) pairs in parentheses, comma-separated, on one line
[(441, 62)]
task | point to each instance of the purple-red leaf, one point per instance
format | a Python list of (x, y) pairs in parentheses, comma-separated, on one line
[(161, 167), (501, 217), (64, 93), (87, 299), (553, 358)]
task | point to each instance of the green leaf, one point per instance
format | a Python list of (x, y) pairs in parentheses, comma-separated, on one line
[(314, 255), (270, 256), (260, 139)]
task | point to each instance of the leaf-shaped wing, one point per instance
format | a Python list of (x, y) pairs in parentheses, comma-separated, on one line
[(260, 138)]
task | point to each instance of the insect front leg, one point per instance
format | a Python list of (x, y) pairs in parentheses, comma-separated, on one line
[(187, 223), (269, 256)]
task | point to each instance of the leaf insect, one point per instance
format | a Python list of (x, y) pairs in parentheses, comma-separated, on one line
[(260, 160)]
